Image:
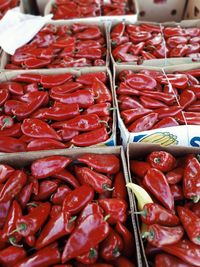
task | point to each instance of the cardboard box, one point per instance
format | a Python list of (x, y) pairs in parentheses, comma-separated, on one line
[(184, 135), (20, 160), (5, 57), (4, 76), (161, 10), (133, 16), (136, 151), (192, 10), (162, 62)]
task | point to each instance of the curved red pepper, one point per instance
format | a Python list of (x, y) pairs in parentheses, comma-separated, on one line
[(68, 87), (46, 189), (175, 176), (161, 160), (90, 208), (10, 144), (177, 80), (89, 78), (67, 134), (177, 192), (27, 78), (11, 256), (144, 123), (119, 185), (150, 103), (166, 260), (5, 172), (44, 144), (49, 166), (89, 257), (14, 131), (166, 122), (58, 197), (131, 115), (67, 177), (127, 102), (139, 168), (25, 195), (49, 81), (101, 92)]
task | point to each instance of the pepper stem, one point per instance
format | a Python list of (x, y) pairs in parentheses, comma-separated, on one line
[(32, 204), (149, 234), (198, 239), (116, 253), (12, 241), (112, 108), (143, 212), (106, 217), (102, 121), (92, 253), (195, 199), (6, 122), (106, 187), (157, 160)]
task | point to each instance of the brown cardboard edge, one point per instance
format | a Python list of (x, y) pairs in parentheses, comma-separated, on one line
[(137, 150), (6, 75), (102, 24)]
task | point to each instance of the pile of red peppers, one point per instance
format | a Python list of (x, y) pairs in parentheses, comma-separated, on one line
[(40, 112), (170, 223), (5, 5), (60, 46), (151, 99), (69, 9), (136, 43), (62, 212)]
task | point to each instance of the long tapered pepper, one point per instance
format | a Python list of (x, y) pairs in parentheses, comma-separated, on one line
[(119, 185), (11, 144), (44, 144), (101, 91), (5, 172), (144, 123), (58, 197), (25, 194), (67, 177), (13, 185), (175, 176), (46, 189), (139, 168), (91, 208), (89, 78), (49, 166), (49, 81), (150, 103), (11, 256), (166, 260), (159, 188), (93, 230), (131, 115), (166, 122)]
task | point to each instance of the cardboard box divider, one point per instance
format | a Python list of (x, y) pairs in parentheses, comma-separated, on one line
[(138, 150), (25, 158), (160, 62), (6, 75), (5, 57), (182, 135)]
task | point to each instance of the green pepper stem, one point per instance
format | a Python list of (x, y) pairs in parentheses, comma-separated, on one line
[(106, 217), (12, 242), (116, 253), (149, 234), (143, 212), (195, 199), (106, 187), (92, 253)]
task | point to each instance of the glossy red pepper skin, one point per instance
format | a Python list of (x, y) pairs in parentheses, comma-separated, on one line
[(159, 236), (45, 257), (101, 92), (112, 246), (190, 222), (177, 192), (89, 257), (53, 230), (29, 224), (122, 261), (44, 144), (27, 78), (161, 160), (166, 260), (4, 95), (139, 168), (156, 214), (184, 250), (91, 232), (90, 208), (116, 208), (58, 197), (14, 131), (101, 163), (165, 122), (191, 180), (175, 176), (15, 212), (76, 200), (119, 185), (49, 166), (91, 138), (150, 103), (89, 78), (127, 102), (68, 87), (144, 123), (5, 172), (38, 129), (128, 239), (131, 115), (186, 98), (168, 99), (67, 134), (4, 209), (160, 189), (67, 177), (49, 81), (11, 255), (46, 189), (13, 185), (196, 208), (141, 81), (99, 182), (101, 109), (30, 240), (168, 111)]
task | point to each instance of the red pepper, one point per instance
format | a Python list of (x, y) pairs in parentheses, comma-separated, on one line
[(67, 134), (6, 122), (187, 97), (156, 214), (4, 95), (68, 87), (139, 168), (175, 176), (11, 256), (116, 208), (25, 195), (49, 81), (101, 91), (58, 197), (89, 78), (90, 208), (76, 200), (123, 48), (49, 166), (141, 81), (122, 261), (10, 144), (27, 78), (177, 80), (13, 185), (119, 185), (101, 163), (81, 123), (144, 123), (99, 182), (168, 111), (83, 98), (136, 49), (93, 230), (131, 115), (166, 122), (101, 109), (4, 209), (147, 56), (53, 230), (31, 223), (185, 250), (112, 246), (159, 236), (35, 63), (196, 208), (14, 214), (45, 257), (179, 51), (118, 30), (5, 172), (148, 102), (13, 87), (46, 189), (44, 144), (89, 33), (127, 102), (168, 99), (91, 138), (14, 131), (38, 129), (159, 188), (89, 257), (161, 160), (191, 118), (190, 222), (128, 239), (30, 240), (166, 260), (194, 107), (191, 180), (67, 177)]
